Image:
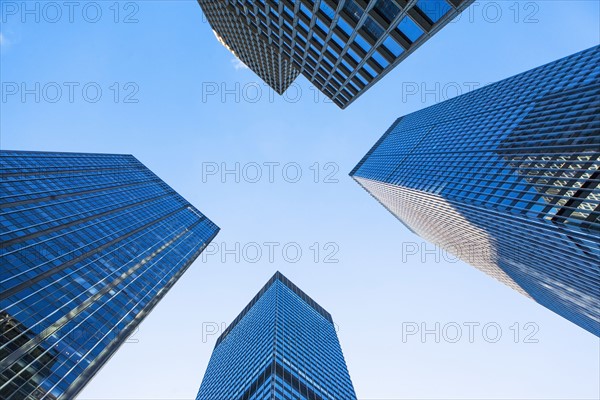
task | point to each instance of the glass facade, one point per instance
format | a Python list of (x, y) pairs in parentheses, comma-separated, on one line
[(341, 47), (90, 244), (282, 346), (506, 177)]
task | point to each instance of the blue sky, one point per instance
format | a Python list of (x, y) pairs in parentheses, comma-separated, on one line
[(167, 66)]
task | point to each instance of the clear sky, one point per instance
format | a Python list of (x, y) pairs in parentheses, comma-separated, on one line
[(173, 114)]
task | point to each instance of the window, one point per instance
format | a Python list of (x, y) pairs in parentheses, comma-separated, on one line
[(380, 59), (362, 43), (393, 46), (410, 29), (387, 9), (434, 9)]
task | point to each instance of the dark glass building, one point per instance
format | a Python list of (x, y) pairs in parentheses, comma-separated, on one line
[(283, 346), (341, 47), (506, 177), (90, 244)]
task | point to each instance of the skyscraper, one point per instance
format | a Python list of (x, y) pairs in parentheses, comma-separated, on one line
[(341, 47), (90, 244), (282, 346), (506, 177)]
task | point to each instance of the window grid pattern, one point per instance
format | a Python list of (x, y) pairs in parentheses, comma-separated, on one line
[(341, 47), (90, 244), (517, 161), (235, 34), (283, 346)]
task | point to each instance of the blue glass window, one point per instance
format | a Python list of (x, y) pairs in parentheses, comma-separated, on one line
[(370, 70), (330, 12), (387, 9), (380, 59), (410, 29), (353, 10), (362, 43), (344, 26), (393, 46), (434, 9)]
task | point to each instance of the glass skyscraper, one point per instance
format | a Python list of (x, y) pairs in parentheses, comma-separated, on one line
[(506, 177), (341, 47), (283, 346), (90, 244)]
